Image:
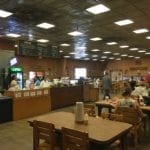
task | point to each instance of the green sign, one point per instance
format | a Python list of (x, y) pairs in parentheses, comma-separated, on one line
[(16, 69)]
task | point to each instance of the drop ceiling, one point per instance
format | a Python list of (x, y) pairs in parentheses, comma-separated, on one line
[(71, 15)]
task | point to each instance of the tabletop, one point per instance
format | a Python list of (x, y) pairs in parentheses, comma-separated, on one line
[(100, 130)]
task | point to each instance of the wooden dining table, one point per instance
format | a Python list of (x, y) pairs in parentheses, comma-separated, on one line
[(101, 131), (112, 104), (105, 104)]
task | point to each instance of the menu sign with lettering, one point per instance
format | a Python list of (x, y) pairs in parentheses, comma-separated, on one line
[(36, 49)]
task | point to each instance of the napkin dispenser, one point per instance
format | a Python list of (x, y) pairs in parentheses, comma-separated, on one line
[(79, 112)]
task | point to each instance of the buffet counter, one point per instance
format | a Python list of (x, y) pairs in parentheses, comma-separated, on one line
[(65, 96), (29, 103), (90, 93)]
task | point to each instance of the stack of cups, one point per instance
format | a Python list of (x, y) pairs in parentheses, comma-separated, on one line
[(79, 112)]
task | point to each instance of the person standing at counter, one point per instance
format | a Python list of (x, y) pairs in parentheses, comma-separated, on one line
[(13, 86), (45, 83), (106, 84)]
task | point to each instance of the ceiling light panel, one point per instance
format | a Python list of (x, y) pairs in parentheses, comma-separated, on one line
[(64, 44), (96, 39), (139, 31), (75, 33), (5, 14), (133, 49), (95, 50), (124, 46), (124, 22), (98, 9), (45, 25), (111, 43), (43, 40), (107, 52), (13, 35), (148, 37)]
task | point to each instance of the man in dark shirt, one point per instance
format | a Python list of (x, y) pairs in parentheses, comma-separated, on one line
[(132, 83)]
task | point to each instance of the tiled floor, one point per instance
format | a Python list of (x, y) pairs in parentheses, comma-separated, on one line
[(18, 135)]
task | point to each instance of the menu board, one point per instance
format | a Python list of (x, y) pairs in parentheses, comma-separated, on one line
[(35, 49)]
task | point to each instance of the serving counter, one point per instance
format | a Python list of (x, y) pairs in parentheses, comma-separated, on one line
[(90, 93), (29, 103), (65, 96)]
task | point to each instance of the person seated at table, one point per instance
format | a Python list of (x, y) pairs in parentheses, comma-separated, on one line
[(128, 101), (141, 90)]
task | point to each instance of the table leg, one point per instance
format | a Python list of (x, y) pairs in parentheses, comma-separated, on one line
[(99, 110), (124, 142)]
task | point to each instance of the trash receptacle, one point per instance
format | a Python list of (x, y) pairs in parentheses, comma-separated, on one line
[(5, 109)]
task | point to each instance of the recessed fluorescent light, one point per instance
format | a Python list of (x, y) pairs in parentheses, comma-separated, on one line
[(142, 51), (64, 44), (144, 30), (96, 39), (124, 22), (116, 54), (104, 57), (72, 53), (147, 53), (94, 59), (133, 49), (94, 55), (111, 58), (45, 25), (124, 46), (61, 51), (43, 40), (118, 58), (5, 14), (102, 60), (86, 58), (95, 50), (137, 57), (107, 52), (13, 35), (148, 37), (98, 9), (124, 55), (111, 43), (130, 56), (66, 56), (75, 33)]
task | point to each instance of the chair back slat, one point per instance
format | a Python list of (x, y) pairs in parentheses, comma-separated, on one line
[(130, 115), (44, 132), (74, 140)]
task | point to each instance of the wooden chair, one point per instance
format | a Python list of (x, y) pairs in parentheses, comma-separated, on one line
[(111, 116), (74, 140), (114, 117), (43, 136), (131, 115), (90, 109)]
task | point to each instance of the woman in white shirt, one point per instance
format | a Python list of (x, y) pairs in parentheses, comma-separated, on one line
[(45, 83)]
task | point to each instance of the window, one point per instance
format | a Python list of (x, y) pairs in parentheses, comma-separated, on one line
[(80, 72)]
